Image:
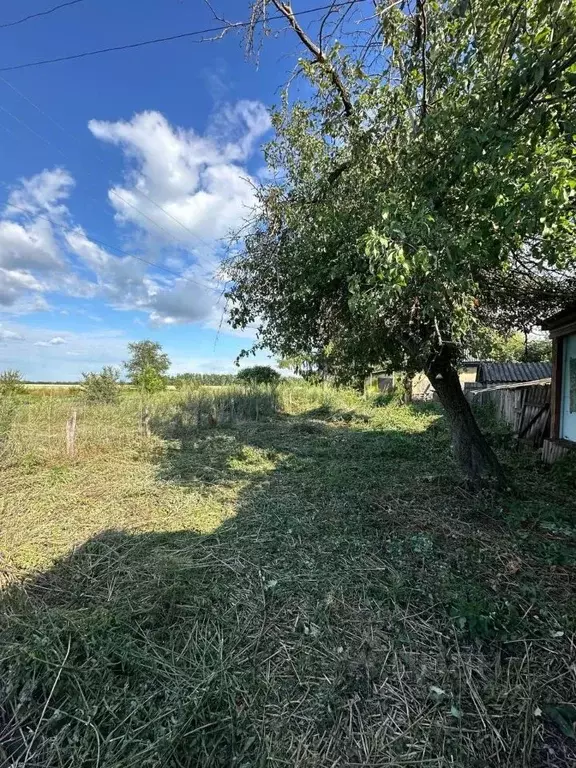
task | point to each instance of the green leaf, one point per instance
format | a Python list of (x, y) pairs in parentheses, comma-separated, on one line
[(564, 716)]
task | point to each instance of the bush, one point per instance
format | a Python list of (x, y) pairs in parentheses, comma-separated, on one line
[(259, 374), (102, 387), (11, 383)]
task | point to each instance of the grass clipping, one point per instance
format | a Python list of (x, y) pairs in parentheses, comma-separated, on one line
[(300, 584)]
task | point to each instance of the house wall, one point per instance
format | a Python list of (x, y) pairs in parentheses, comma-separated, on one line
[(568, 389)]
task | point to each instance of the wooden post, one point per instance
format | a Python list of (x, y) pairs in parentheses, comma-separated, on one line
[(146, 422), (71, 435)]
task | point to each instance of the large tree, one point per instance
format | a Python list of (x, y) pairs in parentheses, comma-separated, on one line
[(425, 188)]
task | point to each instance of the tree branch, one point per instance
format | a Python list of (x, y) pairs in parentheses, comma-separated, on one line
[(319, 56), (423, 38)]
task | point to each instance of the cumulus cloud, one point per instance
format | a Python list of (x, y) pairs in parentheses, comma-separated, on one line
[(196, 180), (29, 250), (29, 246), (127, 285), (45, 191), (8, 335), (55, 342), (195, 187)]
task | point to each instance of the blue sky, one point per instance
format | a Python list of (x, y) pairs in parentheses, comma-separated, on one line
[(91, 150)]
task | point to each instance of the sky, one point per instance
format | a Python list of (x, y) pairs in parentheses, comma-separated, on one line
[(112, 161)]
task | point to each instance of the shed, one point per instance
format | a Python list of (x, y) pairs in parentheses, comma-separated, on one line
[(562, 329)]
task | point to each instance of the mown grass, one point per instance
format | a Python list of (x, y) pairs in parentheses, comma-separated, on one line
[(302, 583)]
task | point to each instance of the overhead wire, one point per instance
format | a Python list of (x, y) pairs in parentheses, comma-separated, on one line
[(47, 12), (181, 36)]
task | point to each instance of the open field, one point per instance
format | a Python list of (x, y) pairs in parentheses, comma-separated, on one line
[(304, 583)]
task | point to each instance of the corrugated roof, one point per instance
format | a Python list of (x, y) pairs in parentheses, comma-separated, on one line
[(490, 373)]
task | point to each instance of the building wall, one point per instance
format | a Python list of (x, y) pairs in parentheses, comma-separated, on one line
[(568, 390)]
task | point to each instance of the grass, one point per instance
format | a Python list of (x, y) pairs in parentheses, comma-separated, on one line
[(278, 578)]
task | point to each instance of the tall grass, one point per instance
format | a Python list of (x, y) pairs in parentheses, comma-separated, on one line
[(33, 428)]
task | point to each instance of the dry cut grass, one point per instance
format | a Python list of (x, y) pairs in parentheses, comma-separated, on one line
[(289, 578)]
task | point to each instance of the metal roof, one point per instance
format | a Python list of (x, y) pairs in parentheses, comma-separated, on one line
[(491, 373)]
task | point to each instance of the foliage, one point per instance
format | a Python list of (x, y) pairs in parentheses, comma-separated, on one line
[(421, 195), (259, 374), (192, 380), (491, 345), (313, 368), (147, 365), (11, 383), (148, 380), (102, 387)]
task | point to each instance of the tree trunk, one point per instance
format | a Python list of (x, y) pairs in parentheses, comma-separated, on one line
[(475, 457)]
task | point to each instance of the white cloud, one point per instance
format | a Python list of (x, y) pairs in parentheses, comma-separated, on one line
[(55, 342), (174, 175), (29, 250), (43, 192), (196, 179), (29, 246), (15, 285), (39, 353), (125, 283), (7, 335)]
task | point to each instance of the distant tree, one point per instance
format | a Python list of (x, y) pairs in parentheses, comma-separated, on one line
[(102, 387), (510, 348), (150, 381), (314, 368), (259, 374), (202, 379), (11, 383), (147, 366)]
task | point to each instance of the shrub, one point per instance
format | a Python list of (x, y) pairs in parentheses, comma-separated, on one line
[(259, 374), (102, 387), (11, 383)]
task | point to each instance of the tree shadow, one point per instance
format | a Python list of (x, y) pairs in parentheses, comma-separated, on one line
[(310, 629)]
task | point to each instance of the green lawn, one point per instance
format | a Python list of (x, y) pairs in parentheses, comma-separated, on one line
[(311, 588)]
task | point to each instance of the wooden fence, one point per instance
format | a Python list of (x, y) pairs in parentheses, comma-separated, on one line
[(525, 407)]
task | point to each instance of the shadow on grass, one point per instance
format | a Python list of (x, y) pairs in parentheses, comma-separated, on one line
[(358, 610)]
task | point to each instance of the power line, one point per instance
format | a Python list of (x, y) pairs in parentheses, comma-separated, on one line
[(40, 13), (99, 156), (193, 33)]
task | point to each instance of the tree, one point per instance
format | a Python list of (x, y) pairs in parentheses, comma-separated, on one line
[(259, 374), (11, 383), (147, 366), (425, 189), (515, 347), (102, 387)]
